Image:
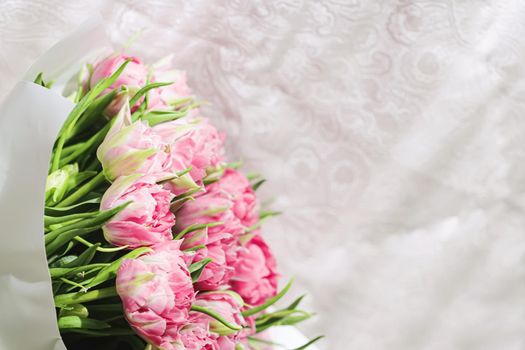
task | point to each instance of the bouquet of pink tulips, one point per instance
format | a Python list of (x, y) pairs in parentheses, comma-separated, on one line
[(153, 241)]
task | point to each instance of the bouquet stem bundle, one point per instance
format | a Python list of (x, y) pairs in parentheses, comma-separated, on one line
[(153, 241)]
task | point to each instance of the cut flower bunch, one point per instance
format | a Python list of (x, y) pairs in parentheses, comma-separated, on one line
[(153, 240)]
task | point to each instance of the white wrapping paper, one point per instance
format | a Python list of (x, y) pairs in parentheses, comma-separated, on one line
[(30, 119)]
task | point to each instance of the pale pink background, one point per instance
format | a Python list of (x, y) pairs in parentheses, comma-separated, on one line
[(391, 132)]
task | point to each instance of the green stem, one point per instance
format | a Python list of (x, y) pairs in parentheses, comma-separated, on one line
[(100, 332), (67, 236), (76, 113), (216, 316), (57, 272), (95, 140), (70, 149), (74, 284), (94, 165), (79, 297), (99, 249), (52, 220), (83, 190), (97, 221)]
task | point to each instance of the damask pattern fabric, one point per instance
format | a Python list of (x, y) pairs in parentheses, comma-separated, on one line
[(391, 133)]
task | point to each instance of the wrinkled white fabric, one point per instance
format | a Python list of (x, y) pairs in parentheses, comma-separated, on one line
[(391, 133)]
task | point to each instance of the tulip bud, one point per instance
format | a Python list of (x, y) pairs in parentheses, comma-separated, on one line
[(134, 75), (130, 148), (58, 183), (75, 310)]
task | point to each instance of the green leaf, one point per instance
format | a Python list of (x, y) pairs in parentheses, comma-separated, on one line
[(187, 193), (263, 216), (53, 220), (215, 174), (82, 77), (253, 176), (293, 320), (199, 265), (182, 102), (94, 222), (84, 258), (81, 177), (256, 343), (67, 150), (91, 202), (268, 302), (296, 303), (93, 113), (175, 176), (67, 236), (234, 165), (246, 237), (197, 268), (110, 271), (258, 184), (195, 227), (57, 272), (266, 214), (215, 316), (178, 203), (280, 317), (53, 259), (60, 225), (194, 249), (277, 315), (284, 321), (309, 343), (39, 80), (158, 117), (83, 190), (75, 114), (63, 261), (144, 90), (89, 146)]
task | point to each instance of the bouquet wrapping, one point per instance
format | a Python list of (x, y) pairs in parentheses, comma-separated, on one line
[(152, 239)]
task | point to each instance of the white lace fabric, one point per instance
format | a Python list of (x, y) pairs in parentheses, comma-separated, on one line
[(391, 134)]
